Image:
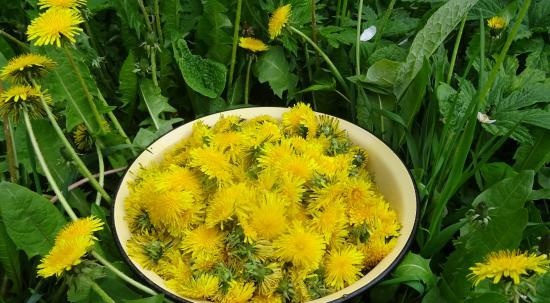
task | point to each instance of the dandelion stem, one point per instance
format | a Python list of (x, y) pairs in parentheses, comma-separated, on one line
[(455, 51), (117, 125), (45, 168), (82, 181), (154, 67), (77, 161), (10, 150), (89, 97), (32, 160), (102, 294), (157, 21), (247, 81), (236, 27), (344, 10), (146, 16), (122, 275), (101, 164), (325, 57), (14, 40), (358, 41)]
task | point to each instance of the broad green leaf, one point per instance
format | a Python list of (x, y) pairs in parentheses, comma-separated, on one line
[(170, 11), (429, 38), (413, 96), (508, 195), (127, 80), (153, 299), (400, 23), (391, 52), (336, 35), (542, 289), (493, 173), (144, 137), (155, 102), (488, 297), (31, 221), (535, 155), (505, 232), (415, 268), (272, 67), (382, 73), (543, 177), (213, 30), (9, 258), (437, 243), (204, 76)]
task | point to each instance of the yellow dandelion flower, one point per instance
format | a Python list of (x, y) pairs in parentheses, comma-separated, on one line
[(43, 4), (202, 240), (174, 265), (204, 287), (268, 179), (331, 221), (278, 21), (82, 138), (376, 249), (72, 242), (512, 264), (291, 188), (177, 178), (230, 143), (174, 210), (301, 246), (27, 65), (252, 44), (496, 23), (53, 25), (300, 120), (19, 98), (146, 249), (238, 292), (263, 133), (274, 153), (226, 202), (227, 124), (268, 218), (343, 267), (201, 135), (384, 222), (267, 299), (270, 282), (298, 167), (212, 162)]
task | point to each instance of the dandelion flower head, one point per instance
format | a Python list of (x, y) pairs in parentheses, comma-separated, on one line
[(54, 25), (252, 44), (19, 98), (74, 4), (278, 21), (343, 266), (496, 23), (27, 65)]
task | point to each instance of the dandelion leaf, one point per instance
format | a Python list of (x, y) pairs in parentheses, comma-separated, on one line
[(273, 68)]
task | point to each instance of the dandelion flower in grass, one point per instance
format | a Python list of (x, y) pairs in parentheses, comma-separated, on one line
[(238, 292), (278, 21), (203, 287), (27, 65), (19, 98), (71, 244), (303, 247), (376, 249), (268, 218), (213, 163), (82, 138), (511, 264), (343, 267), (74, 4), (252, 44), (496, 23), (53, 25)]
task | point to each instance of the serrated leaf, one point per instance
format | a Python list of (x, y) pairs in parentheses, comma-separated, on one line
[(127, 80), (272, 67), (426, 42), (156, 103), (31, 221), (204, 76)]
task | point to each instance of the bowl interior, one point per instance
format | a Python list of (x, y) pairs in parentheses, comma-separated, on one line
[(389, 172)]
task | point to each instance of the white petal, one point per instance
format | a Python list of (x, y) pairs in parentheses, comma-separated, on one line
[(368, 33), (483, 118)]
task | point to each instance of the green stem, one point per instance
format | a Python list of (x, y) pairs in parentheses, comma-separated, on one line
[(115, 122), (325, 57), (344, 9), (247, 80), (14, 40), (314, 27), (337, 13), (45, 168), (102, 294), (357, 41), (69, 148), (32, 160), (89, 97), (101, 164), (122, 275), (146, 16), (500, 59), (310, 75), (455, 51), (236, 27), (10, 150), (385, 19), (154, 67), (157, 21)]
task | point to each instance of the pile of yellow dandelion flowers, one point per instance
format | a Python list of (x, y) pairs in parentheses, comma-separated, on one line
[(509, 264), (260, 209), (71, 245)]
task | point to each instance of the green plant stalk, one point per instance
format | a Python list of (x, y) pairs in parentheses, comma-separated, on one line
[(102, 294), (157, 21), (310, 76), (89, 97), (247, 80), (358, 41), (15, 40), (10, 150), (500, 59), (122, 275), (115, 122), (455, 51), (325, 57), (343, 10), (337, 13), (314, 27), (154, 67), (385, 19), (236, 28), (45, 168), (481, 77), (101, 164), (32, 160), (77, 161), (146, 16)]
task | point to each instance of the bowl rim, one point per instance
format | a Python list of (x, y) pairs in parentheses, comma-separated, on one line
[(345, 297)]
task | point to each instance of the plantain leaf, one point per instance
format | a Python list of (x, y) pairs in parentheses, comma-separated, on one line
[(204, 76), (128, 80), (31, 221), (429, 38), (273, 67)]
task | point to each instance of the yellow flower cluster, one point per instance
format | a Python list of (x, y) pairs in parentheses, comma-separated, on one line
[(259, 210)]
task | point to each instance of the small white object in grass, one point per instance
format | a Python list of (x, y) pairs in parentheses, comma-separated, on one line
[(368, 33), (483, 118)]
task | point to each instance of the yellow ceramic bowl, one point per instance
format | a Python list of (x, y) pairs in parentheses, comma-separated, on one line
[(390, 174)]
